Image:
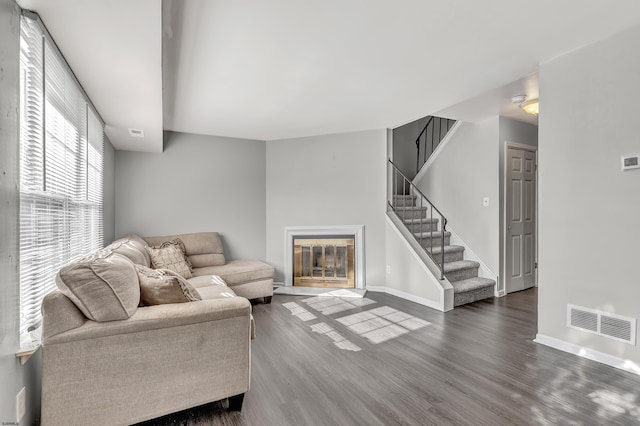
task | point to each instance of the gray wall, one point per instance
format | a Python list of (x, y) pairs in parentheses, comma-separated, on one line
[(465, 172), (13, 375), (404, 146), (510, 131), (328, 180), (199, 183), (408, 274), (588, 208), (109, 197)]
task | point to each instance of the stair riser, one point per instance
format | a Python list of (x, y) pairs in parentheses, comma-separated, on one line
[(462, 274), (472, 296), (411, 214), (422, 227), (450, 257), (426, 241), (406, 202)]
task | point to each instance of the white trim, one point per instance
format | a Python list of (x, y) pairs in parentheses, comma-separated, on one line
[(278, 283), (356, 230), (483, 271), (531, 148), (501, 293), (572, 348), (436, 152), (410, 297)]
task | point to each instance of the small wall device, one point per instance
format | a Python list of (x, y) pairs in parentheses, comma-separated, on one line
[(630, 162)]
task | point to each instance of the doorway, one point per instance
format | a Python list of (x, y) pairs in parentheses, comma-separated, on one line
[(521, 222)]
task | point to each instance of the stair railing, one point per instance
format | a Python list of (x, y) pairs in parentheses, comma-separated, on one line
[(402, 186), (432, 133)]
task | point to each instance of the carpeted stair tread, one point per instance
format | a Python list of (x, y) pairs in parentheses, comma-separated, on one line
[(460, 265), (435, 234), (405, 208), (472, 284), (420, 220), (447, 249)]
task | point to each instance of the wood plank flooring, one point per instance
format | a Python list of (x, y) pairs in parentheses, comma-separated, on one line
[(475, 365)]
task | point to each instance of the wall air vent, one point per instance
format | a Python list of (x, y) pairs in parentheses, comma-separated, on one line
[(136, 133), (602, 323)]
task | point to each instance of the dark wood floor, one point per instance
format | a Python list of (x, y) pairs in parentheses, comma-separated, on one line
[(475, 365)]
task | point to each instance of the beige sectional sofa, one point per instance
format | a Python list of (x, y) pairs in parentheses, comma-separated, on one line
[(252, 279), (108, 361)]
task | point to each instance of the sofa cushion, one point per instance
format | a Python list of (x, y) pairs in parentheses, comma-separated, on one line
[(203, 248), (206, 280), (131, 249), (170, 256), (103, 285), (162, 286), (215, 292), (238, 271)]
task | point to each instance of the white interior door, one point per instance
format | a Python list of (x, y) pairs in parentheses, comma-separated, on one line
[(520, 204)]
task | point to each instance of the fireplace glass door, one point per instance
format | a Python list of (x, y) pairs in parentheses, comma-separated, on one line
[(324, 262)]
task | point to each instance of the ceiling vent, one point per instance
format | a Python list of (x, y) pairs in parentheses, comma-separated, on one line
[(604, 324), (136, 133)]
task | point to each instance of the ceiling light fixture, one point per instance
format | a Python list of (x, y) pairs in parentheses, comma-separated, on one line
[(530, 107)]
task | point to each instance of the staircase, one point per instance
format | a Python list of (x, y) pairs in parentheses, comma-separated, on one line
[(418, 217)]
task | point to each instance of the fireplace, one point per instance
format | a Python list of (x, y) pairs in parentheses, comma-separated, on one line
[(327, 256), (324, 261)]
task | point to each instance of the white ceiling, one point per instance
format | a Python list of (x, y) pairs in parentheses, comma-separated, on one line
[(115, 50), (287, 68)]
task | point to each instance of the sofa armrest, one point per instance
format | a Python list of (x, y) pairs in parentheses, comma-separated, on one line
[(158, 317), (59, 315)]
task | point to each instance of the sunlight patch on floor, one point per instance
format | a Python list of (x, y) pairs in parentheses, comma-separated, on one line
[(376, 325), (338, 339), (299, 311), (334, 305), (612, 404), (381, 324)]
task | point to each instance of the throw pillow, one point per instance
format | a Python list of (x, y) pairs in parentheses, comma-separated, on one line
[(180, 244), (103, 285), (170, 255), (162, 286)]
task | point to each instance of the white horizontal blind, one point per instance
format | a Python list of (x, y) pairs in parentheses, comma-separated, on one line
[(61, 155)]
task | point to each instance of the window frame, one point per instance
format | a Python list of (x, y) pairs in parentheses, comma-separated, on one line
[(61, 220)]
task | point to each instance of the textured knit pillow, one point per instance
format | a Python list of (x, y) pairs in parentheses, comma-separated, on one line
[(180, 244), (170, 255), (162, 286)]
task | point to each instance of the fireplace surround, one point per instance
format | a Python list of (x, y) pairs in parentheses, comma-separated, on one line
[(314, 236)]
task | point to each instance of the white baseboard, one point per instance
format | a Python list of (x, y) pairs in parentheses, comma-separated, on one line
[(278, 284), (501, 293), (410, 297), (591, 354)]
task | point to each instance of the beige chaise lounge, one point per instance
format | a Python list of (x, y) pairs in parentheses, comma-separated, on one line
[(248, 278), (107, 361)]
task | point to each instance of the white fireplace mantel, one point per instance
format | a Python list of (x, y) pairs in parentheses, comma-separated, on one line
[(294, 231)]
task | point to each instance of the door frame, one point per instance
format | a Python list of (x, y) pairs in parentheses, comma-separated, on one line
[(534, 149)]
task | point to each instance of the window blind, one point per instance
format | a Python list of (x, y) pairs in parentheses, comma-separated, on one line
[(61, 170)]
